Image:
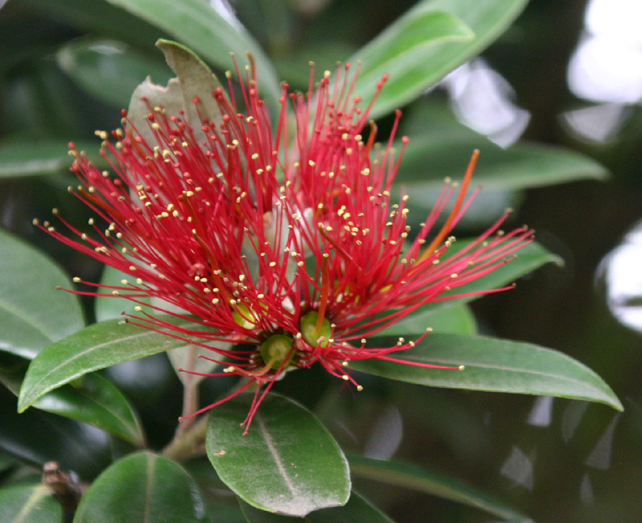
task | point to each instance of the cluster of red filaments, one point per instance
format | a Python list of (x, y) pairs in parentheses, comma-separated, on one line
[(292, 245)]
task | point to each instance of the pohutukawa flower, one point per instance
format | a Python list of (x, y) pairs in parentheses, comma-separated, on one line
[(291, 244)]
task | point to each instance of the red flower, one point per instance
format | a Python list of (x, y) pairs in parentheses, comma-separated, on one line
[(292, 246)]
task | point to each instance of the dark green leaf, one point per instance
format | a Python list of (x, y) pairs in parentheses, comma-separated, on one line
[(198, 25), (32, 313), (493, 365), (30, 157), (100, 18), (407, 475), (487, 20), (222, 506), (400, 52), (36, 437), (452, 320), (6, 463), (95, 347), (91, 399), (357, 510), (287, 463), (108, 69), (142, 488), (96, 401), (29, 504), (220, 513)]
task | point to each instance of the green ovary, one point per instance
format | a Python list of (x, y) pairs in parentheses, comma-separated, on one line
[(277, 352)]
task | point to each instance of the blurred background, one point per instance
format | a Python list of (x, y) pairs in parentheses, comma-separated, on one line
[(565, 73)]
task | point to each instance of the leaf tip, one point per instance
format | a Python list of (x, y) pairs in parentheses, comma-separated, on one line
[(24, 402)]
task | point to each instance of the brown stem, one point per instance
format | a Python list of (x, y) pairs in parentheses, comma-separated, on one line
[(188, 443)]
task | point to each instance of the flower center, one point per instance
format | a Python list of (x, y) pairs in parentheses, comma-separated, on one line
[(276, 350), (314, 335)]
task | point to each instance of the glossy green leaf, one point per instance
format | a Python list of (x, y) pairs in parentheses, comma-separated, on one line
[(487, 20), (407, 475), (29, 504), (142, 488), (400, 52), (427, 161), (36, 437), (108, 69), (288, 462), (32, 313), (91, 399), (36, 157), (95, 347), (198, 25), (357, 510), (493, 364), (452, 320)]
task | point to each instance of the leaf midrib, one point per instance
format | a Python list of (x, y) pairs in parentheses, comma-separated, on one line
[(276, 456)]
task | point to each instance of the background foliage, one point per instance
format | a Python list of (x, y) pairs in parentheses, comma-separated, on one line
[(67, 67)]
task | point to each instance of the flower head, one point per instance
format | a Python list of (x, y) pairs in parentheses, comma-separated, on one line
[(291, 244)]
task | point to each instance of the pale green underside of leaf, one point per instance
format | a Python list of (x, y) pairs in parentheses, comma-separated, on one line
[(111, 307), (493, 365)]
